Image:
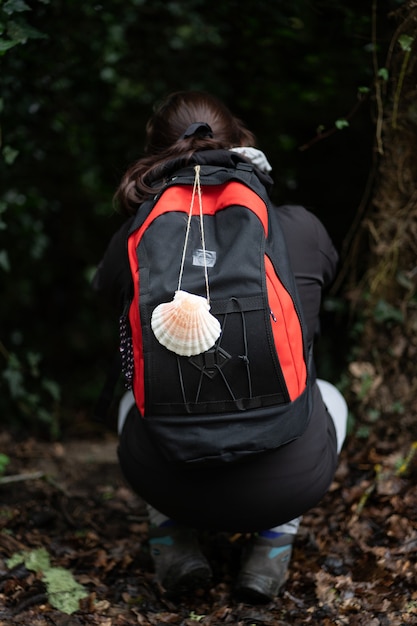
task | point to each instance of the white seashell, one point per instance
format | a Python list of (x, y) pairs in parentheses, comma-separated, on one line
[(185, 325)]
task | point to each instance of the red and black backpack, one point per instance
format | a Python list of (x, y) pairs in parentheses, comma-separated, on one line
[(250, 392)]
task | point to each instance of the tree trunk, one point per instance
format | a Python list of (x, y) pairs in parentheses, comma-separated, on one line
[(384, 374)]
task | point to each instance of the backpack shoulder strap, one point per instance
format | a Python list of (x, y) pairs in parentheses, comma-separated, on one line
[(209, 175)]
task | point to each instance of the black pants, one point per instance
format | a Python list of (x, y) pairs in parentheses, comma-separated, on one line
[(265, 491)]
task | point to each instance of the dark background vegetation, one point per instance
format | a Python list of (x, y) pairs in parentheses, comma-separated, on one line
[(78, 82), (330, 89)]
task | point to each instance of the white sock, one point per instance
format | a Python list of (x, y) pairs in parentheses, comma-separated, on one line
[(125, 405), (156, 518), (289, 528), (337, 407)]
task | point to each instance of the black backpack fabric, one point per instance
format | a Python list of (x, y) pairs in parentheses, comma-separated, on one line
[(251, 391)]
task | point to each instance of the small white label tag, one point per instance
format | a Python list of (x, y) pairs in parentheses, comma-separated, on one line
[(198, 258)]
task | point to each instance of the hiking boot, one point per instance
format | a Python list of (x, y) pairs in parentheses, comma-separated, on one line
[(264, 568), (180, 566)]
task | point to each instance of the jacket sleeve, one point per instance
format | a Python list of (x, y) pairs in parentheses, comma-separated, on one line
[(113, 278), (327, 252), (313, 258), (309, 245)]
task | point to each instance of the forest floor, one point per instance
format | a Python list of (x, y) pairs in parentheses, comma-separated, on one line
[(354, 562)]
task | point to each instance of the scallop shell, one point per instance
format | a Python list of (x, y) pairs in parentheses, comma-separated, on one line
[(185, 325)]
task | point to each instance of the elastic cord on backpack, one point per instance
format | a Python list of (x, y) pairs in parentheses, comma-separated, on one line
[(243, 357)]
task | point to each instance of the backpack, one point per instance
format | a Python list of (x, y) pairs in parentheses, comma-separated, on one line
[(250, 391)]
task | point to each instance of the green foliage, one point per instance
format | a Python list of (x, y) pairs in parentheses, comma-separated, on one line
[(64, 593), (383, 73), (78, 84), (32, 394), (195, 617), (406, 42), (35, 560), (384, 312), (4, 462), (14, 28), (340, 124), (23, 383)]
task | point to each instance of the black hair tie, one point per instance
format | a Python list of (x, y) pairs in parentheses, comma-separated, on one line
[(200, 129)]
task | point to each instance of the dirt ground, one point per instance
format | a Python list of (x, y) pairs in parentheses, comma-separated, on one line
[(354, 562)]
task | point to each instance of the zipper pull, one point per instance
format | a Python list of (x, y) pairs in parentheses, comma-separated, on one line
[(272, 315)]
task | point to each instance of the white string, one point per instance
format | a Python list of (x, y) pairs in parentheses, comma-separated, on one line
[(187, 232), (203, 241), (196, 187)]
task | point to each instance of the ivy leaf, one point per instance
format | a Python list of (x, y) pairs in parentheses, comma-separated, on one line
[(406, 42), (20, 31), (52, 388), (10, 155), (4, 462), (35, 560), (4, 261), (64, 592), (383, 73), (385, 312), (14, 379), (15, 6), (6, 45), (342, 123)]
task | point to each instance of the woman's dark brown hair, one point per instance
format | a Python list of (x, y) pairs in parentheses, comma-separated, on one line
[(165, 141)]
